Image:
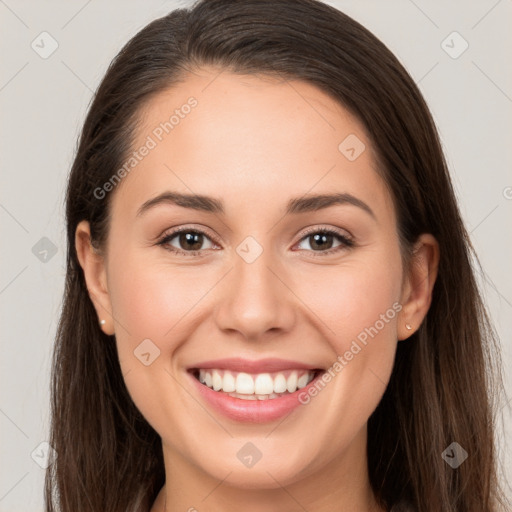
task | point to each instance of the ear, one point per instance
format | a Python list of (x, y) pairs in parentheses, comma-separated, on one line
[(93, 265), (418, 285)]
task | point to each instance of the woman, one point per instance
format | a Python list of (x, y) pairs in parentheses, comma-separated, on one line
[(321, 343)]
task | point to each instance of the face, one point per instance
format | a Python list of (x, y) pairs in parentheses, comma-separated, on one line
[(264, 289)]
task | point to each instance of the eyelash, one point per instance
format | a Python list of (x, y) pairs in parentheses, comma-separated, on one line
[(346, 242)]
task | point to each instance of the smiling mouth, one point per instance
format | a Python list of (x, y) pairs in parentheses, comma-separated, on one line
[(259, 386)]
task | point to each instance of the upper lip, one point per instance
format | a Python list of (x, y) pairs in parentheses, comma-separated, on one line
[(238, 364)]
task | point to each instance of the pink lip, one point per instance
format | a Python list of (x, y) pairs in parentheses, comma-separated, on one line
[(238, 364), (251, 411)]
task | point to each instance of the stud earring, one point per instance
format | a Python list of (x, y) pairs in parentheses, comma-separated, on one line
[(102, 322), (408, 327)]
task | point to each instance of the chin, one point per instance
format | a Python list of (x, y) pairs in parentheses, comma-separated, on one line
[(264, 474)]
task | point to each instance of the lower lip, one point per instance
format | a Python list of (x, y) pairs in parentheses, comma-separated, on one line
[(252, 411)]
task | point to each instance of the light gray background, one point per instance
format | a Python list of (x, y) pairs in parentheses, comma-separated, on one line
[(43, 103)]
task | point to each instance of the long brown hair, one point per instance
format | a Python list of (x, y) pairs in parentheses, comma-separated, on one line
[(447, 377)]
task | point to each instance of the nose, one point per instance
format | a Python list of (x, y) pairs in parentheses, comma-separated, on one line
[(255, 301)]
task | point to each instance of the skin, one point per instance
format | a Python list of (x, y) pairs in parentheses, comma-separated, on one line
[(256, 142)]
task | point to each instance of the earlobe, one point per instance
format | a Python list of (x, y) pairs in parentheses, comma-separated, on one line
[(418, 285), (93, 266)]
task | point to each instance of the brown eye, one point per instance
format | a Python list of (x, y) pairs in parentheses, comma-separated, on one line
[(190, 240), (323, 241), (185, 241)]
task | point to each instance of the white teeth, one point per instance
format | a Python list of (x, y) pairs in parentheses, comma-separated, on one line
[(291, 383), (243, 396), (216, 380), (244, 384), (303, 380), (255, 387), (263, 385), (280, 383), (228, 384), (258, 397)]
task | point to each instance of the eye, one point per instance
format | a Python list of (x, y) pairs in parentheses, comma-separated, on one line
[(321, 241), (189, 241)]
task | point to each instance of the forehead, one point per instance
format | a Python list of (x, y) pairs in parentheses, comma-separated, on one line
[(253, 139)]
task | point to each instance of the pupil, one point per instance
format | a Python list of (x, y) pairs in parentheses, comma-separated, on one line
[(191, 239), (320, 240)]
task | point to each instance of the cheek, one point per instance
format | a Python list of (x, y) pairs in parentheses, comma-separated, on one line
[(357, 304), (150, 303), (354, 296), (149, 298)]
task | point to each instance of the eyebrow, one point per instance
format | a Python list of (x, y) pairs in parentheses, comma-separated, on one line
[(294, 206)]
